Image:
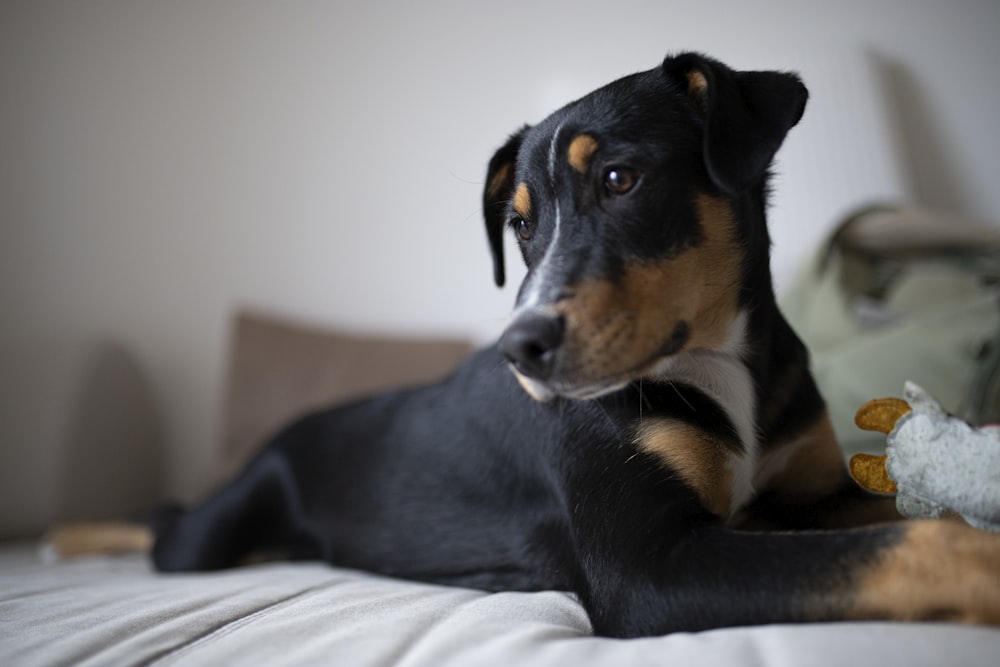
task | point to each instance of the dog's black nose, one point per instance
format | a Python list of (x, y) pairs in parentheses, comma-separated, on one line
[(531, 342)]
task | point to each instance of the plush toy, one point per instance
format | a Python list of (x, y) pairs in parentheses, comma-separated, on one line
[(935, 463)]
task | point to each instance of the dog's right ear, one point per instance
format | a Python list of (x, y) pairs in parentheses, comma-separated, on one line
[(496, 197)]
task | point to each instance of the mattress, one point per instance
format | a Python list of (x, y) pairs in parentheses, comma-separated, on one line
[(118, 611)]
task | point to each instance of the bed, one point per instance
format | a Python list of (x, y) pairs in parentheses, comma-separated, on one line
[(115, 610)]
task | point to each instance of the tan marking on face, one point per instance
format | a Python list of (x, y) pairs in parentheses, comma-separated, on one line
[(718, 274), (808, 464), (499, 180), (941, 571), (522, 200), (694, 456), (618, 329), (581, 149)]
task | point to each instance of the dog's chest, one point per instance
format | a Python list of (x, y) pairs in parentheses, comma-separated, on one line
[(722, 475)]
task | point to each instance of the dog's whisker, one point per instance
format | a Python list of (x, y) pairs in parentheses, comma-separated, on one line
[(681, 395), (642, 400), (467, 181)]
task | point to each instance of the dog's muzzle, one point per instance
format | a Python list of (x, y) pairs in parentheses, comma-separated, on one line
[(547, 361)]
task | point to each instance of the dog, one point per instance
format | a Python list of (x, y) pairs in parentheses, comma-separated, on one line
[(645, 433)]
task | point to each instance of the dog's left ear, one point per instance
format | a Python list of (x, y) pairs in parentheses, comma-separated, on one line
[(496, 197), (746, 115)]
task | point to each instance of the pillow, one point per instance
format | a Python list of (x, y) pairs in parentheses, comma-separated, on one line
[(279, 370)]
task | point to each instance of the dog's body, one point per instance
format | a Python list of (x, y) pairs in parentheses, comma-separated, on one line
[(669, 421)]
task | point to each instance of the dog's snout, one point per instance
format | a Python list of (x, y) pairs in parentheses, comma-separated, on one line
[(531, 343)]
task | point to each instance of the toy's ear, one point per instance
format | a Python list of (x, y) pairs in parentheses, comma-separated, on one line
[(869, 471), (881, 414), (496, 197), (746, 115)]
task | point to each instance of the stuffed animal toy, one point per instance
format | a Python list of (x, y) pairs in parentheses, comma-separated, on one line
[(935, 463)]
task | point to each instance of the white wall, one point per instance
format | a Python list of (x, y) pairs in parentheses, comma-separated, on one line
[(163, 163)]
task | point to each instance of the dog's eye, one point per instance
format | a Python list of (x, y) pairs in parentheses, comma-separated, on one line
[(619, 180), (524, 228)]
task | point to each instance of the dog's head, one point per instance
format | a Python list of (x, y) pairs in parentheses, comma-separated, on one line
[(630, 207)]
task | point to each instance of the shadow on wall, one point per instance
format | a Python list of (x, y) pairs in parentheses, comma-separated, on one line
[(932, 171), (81, 438), (115, 459)]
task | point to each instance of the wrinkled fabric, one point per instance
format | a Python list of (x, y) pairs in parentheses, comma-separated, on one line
[(117, 611)]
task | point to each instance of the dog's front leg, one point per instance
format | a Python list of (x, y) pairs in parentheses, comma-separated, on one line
[(706, 577), (653, 560)]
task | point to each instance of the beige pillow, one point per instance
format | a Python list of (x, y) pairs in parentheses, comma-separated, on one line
[(279, 370)]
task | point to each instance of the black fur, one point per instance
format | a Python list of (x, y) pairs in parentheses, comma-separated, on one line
[(472, 482)]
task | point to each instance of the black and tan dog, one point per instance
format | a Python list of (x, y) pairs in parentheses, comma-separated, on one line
[(660, 448)]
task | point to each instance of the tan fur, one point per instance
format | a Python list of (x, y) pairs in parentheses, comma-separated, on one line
[(495, 188), (697, 83), (522, 200), (694, 456), (581, 149), (70, 540), (941, 570), (698, 88), (809, 464), (617, 329)]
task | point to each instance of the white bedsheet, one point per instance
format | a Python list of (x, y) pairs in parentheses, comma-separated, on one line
[(116, 611)]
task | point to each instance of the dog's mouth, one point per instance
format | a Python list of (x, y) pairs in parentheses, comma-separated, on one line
[(550, 362)]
